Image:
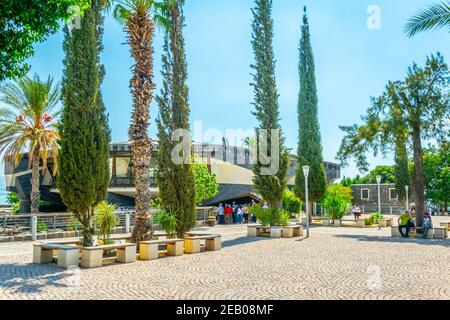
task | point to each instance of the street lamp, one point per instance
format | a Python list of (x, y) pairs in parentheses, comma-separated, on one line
[(306, 173), (407, 195), (379, 202)]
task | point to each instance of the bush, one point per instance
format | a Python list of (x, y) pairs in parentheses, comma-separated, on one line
[(291, 203), (13, 201), (374, 217), (337, 200), (41, 226), (106, 219), (271, 216), (167, 221)]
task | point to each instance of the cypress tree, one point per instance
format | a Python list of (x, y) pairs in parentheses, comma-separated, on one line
[(269, 186), (309, 151), (175, 180), (83, 176)]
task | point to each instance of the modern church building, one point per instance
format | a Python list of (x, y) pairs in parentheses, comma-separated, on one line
[(231, 165)]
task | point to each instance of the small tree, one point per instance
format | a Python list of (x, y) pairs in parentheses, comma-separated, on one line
[(337, 201), (206, 186), (106, 219)]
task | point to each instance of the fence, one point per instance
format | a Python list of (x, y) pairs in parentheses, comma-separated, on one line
[(319, 210), (13, 224)]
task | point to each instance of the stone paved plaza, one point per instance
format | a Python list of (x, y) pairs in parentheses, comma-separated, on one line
[(334, 263)]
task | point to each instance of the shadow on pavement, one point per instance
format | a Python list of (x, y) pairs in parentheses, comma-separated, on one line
[(243, 240), (33, 278), (428, 242)]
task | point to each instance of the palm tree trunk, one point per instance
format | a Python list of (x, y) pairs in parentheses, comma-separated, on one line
[(140, 29), (35, 175), (418, 177)]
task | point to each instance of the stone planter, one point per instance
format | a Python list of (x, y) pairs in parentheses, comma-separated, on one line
[(275, 232), (337, 223)]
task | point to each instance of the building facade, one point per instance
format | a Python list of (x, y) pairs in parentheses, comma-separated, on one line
[(231, 165), (366, 197)]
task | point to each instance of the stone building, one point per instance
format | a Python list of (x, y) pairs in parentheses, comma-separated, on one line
[(366, 197)]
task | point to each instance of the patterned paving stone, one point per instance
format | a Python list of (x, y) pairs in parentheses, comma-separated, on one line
[(334, 263)]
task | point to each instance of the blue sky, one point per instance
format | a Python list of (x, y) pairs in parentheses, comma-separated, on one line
[(352, 62)]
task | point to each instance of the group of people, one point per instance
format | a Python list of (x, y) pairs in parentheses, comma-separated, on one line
[(406, 222), (235, 213)]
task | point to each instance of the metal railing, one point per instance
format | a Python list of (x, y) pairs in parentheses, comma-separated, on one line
[(14, 224)]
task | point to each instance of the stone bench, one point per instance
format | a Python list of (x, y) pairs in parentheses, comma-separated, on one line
[(325, 220), (433, 233), (292, 231), (445, 224), (192, 242), (261, 231), (149, 250), (66, 255), (440, 232), (92, 257)]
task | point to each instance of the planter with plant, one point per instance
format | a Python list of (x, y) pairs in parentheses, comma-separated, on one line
[(106, 219), (167, 221)]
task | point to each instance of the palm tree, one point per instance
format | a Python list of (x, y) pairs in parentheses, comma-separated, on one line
[(139, 18), (27, 124), (436, 16)]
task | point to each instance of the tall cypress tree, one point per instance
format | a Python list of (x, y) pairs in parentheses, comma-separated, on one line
[(83, 160), (309, 150), (175, 180), (270, 186)]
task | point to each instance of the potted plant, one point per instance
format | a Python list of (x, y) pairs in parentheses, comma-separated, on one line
[(105, 219)]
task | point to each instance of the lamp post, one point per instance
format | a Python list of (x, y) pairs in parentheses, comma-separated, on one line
[(379, 202), (407, 196), (306, 173)]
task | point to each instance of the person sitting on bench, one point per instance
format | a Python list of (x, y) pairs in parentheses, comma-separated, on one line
[(427, 224), (405, 221)]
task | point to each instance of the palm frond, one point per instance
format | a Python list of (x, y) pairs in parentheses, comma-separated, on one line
[(435, 17)]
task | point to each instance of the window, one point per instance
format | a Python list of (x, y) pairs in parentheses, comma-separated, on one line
[(393, 194), (365, 194)]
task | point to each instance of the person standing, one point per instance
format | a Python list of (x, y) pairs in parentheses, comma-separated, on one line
[(221, 214), (245, 213), (356, 210), (234, 211), (239, 214)]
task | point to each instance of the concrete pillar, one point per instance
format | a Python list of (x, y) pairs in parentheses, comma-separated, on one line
[(33, 228), (127, 223)]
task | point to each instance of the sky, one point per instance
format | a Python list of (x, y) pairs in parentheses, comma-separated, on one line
[(352, 61)]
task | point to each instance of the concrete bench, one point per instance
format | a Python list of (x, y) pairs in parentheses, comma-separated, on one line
[(445, 224), (92, 257), (66, 255), (192, 243), (292, 231), (440, 232), (149, 250), (261, 231)]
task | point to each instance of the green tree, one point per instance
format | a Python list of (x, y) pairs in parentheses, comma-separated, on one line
[(175, 176), (337, 200), (437, 16), (22, 24), (270, 184), (423, 100), (206, 186), (436, 165), (27, 124), (309, 150), (139, 18), (83, 177)]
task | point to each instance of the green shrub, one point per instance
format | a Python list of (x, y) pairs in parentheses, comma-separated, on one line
[(291, 203), (337, 200), (13, 200), (41, 226), (283, 217), (167, 221), (374, 217), (106, 219), (271, 216)]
